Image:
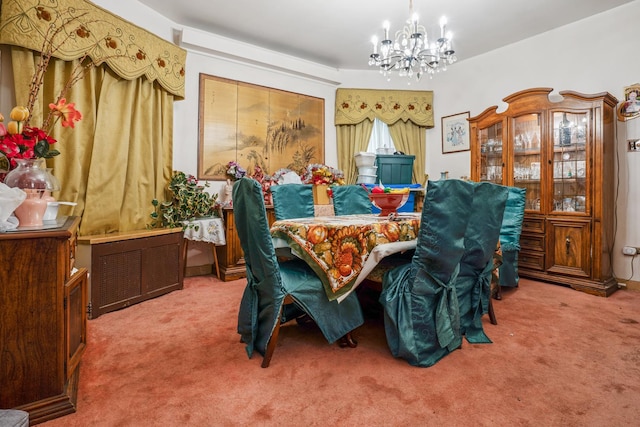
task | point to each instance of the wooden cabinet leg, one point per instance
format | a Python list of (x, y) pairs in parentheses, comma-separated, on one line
[(185, 253)]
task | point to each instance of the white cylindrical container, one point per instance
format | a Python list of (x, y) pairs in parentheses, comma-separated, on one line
[(367, 170), (365, 159), (366, 179)]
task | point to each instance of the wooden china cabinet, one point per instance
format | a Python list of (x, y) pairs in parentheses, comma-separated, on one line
[(562, 152), (43, 320)]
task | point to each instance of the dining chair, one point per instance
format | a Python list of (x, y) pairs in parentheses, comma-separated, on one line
[(279, 292), (350, 200), (473, 283), (510, 232), (421, 311), (292, 201)]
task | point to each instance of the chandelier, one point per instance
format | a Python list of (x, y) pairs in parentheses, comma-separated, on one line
[(411, 53)]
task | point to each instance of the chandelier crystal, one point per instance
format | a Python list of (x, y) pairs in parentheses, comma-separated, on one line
[(411, 53)]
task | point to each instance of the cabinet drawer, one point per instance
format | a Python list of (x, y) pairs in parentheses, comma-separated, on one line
[(533, 225), (532, 242), (532, 260)]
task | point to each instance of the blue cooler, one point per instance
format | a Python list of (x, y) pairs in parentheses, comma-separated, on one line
[(409, 206)]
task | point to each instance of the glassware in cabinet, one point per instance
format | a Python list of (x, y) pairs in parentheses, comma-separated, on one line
[(491, 152), (527, 157), (569, 161)]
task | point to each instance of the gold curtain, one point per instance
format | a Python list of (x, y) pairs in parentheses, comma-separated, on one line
[(352, 139), (119, 156), (355, 105), (409, 138), (407, 113), (78, 27)]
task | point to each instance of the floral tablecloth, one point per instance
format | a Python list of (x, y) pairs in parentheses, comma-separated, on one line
[(210, 230), (342, 250)]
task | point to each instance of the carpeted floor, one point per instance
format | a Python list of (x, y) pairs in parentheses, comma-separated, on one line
[(559, 358)]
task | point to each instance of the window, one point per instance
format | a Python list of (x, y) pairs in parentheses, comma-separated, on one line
[(380, 139)]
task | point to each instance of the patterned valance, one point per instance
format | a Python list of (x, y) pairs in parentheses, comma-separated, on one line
[(88, 29), (355, 105)]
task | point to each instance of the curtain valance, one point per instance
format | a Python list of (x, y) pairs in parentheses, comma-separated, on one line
[(355, 105), (129, 51)]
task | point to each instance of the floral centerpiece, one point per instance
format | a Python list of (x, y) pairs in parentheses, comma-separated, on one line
[(322, 177), (235, 171), (279, 174), (187, 200), (266, 181), (318, 174)]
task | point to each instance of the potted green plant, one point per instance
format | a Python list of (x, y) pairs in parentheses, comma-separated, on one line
[(188, 200)]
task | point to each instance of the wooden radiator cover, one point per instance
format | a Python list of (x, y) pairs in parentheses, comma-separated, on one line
[(127, 268)]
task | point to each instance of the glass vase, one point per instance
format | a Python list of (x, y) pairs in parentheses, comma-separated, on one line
[(32, 177)]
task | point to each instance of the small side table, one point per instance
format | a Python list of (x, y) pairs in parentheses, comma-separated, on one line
[(209, 230)]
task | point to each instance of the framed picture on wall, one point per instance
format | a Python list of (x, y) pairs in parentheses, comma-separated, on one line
[(256, 126), (630, 107), (455, 133)]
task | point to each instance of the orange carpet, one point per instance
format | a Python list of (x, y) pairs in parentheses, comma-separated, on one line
[(559, 358)]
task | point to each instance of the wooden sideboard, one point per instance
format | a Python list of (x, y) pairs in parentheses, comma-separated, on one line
[(230, 256), (43, 320), (128, 267)]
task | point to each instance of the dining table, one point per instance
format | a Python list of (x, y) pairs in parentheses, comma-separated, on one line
[(343, 250)]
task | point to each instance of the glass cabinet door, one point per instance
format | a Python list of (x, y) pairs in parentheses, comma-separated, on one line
[(491, 163), (569, 162), (527, 160)]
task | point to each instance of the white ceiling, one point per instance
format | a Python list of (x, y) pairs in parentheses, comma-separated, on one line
[(337, 33)]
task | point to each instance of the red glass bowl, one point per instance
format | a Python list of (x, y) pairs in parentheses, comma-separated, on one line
[(388, 202)]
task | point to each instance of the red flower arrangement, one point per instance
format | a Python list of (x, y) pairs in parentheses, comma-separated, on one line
[(318, 174), (18, 141)]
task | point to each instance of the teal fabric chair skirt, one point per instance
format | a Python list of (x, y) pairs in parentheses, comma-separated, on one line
[(473, 284), (350, 200), (269, 282), (292, 201), (510, 236), (421, 310)]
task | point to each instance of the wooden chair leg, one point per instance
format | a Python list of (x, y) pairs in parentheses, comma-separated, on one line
[(347, 341), (271, 345), (492, 314)]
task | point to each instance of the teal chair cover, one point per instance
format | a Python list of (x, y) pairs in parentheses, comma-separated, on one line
[(510, 236), (292, 201), (421, 311), (350, 200), (268, 282), (473, 284)]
